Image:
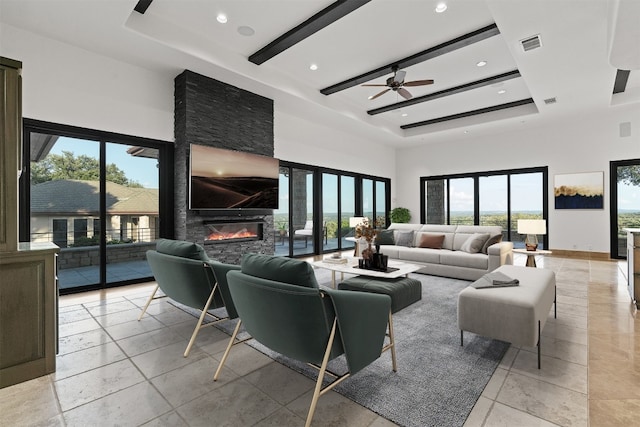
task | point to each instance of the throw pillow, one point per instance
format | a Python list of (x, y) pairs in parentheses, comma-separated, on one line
[(433, 241), (385, 237), (279, 269), (404, 238), (474, 243), (182, 249), (491, 241)]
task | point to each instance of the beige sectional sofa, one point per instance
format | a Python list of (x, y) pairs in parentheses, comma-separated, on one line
[(462, 255)]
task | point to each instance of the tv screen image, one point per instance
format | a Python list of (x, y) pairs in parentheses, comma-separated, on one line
[(227, 179)]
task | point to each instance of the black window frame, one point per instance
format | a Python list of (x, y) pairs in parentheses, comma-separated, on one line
[(165, 183), (544, 170), (318, 171)]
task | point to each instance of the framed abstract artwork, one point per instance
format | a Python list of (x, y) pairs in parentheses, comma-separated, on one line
[(579, 190)]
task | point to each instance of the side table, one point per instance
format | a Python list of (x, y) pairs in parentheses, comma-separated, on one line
[(531, 255)]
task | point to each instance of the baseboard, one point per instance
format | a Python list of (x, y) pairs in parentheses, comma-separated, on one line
[(595, 256)]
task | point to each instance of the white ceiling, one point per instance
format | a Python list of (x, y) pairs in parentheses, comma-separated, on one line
[(572, 65)]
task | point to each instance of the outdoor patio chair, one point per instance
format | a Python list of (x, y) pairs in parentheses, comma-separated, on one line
[(184, 272), (307, 232), (281, 306)]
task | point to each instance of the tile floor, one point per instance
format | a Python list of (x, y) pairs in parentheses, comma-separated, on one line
[(114, 370)]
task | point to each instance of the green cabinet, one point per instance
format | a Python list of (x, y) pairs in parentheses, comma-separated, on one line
[(28, 284)]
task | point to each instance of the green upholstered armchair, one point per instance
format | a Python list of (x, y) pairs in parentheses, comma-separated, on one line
[(185, 274), (281, 306)]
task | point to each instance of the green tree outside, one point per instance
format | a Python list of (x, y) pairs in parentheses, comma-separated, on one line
[(83, 167)]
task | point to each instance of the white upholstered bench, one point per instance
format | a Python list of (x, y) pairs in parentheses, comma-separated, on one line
[(513, 314)]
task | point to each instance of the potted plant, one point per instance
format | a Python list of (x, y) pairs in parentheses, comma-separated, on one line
[(282, 226), (400, 215)]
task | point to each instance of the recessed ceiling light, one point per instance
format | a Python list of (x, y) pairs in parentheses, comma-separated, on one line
[(246, 31), (481, 64), (502, 91), (441, 7), (221, 18), (404, 114), (313, 67)]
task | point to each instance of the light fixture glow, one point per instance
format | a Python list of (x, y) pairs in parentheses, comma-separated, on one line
[(221, 18), (404, 114), (481, 64), (313, 67), (441, 7), (502, 91)]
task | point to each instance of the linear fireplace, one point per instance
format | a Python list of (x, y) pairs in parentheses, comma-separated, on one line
[(232, 231)]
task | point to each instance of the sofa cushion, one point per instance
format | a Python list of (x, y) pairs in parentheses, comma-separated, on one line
[(403, 238), (182, 249), (279, 269), (424, 255), (464, 259), (439, 228), (433, 241), (474, 243), (403, 226), (491, 241), (385, 237), (447, 243), (470, 229)]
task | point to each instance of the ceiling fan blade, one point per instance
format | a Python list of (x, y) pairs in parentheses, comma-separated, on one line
[(405, 93), (378, 94), (419, 83), (373, 85), (399, 76)]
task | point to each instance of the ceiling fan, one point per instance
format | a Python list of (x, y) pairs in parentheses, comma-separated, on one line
[(396, 83)]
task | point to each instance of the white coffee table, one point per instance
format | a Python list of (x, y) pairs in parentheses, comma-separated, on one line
[(351, 267)]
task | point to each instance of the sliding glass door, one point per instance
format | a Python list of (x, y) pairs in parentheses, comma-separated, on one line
[(625, 203), (487, 198), (316, 205), (96, 199)]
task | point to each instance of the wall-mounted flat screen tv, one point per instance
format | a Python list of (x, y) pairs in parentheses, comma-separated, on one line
[(227, 179)]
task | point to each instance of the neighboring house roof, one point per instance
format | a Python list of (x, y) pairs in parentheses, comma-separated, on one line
[(73, 196)]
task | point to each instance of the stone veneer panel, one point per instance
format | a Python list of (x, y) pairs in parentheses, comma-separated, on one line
[(209, 112)]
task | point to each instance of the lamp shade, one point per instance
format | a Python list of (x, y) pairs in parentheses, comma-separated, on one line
[(532, 226), (355, 221)]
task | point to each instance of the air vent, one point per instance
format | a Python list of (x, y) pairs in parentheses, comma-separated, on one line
[(549, 101), (531, 43)]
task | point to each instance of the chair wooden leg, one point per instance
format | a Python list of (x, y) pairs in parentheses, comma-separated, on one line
[(200, 320), (392, 344), (226, 352), (144, 309), (323, 368)]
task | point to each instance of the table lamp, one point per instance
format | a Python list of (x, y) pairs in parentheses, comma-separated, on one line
[(355, 221), (532, 227)]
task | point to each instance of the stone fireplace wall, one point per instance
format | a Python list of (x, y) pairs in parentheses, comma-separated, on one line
[(215, 114)]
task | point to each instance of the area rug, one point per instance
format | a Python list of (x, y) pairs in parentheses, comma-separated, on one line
[(438, 382)]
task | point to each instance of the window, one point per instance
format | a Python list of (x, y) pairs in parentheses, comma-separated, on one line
[(324, 199), (79, 229), (625, 203), (487, 198), (78, 190)]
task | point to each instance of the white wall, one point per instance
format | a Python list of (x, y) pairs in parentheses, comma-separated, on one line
[(581, 144), (303, 141), (67, 85)]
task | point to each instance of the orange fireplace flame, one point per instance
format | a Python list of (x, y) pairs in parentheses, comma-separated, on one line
[(228, 235)]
